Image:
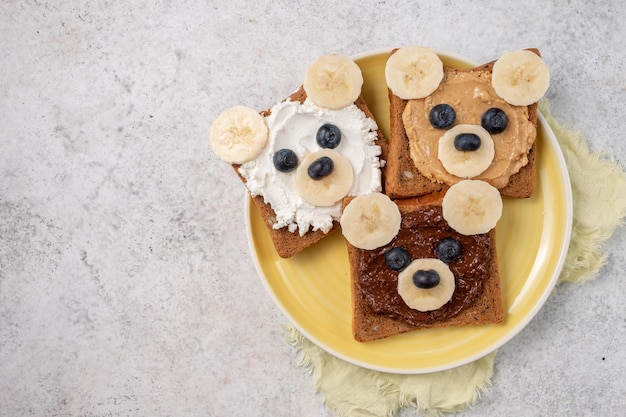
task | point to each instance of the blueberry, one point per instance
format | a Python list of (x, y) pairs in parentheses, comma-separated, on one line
[(448, 249), (426, 279), (397, 258), (285, 160), (442, 116), (328, 136), (467, 142), (494, 120), (320, 168)]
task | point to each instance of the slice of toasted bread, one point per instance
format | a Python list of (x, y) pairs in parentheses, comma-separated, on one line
[(484, 308), (286, 243), (403, 179)]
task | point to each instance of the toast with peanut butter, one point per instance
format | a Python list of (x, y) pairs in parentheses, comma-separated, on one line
[(441, 138)]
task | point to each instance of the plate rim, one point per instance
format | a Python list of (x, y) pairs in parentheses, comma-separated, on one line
[(562, 168)]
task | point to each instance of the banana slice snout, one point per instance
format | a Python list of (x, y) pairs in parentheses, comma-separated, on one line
[(466, 150), (521, 77), (238, 135), (324, 177), (333, 82), (413, 72), (426, 284), (472, 207), (370, 221)]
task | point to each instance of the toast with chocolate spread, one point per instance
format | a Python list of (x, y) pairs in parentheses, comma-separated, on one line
[(379, 306)]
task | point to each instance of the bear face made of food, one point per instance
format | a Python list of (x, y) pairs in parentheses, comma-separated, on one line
[(314, 157), (423, 262), (301, 157), (479, 123)]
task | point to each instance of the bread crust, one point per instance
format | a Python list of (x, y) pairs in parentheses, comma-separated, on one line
[(487, 308), (404, 180)]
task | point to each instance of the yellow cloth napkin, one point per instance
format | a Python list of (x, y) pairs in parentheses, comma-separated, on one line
[(598, 186)]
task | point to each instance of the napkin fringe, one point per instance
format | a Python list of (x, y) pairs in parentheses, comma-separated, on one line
[(482, 388), (312, 364), (297, 340), (312, 360)]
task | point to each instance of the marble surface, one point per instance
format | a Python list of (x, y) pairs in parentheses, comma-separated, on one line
[(127, 287)]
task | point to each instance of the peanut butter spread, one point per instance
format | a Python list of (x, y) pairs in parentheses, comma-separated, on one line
[(470, 94), (420, 233)]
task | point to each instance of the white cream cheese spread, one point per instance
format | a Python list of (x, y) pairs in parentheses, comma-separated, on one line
[(293, 125)]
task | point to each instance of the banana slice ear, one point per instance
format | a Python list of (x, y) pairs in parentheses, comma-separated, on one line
[(472, 207), (333, 82), (238, 135), (520, 77), (413, 72), (370, 221)]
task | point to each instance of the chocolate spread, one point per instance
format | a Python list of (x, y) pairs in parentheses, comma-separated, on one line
[(420, 233)]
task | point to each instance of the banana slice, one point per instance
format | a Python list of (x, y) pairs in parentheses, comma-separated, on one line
[(323, 178), (472, 207), (370, 221), (413, 72), (333, 82), (466, 156), (238, 135), (426, 284), (520, 77)]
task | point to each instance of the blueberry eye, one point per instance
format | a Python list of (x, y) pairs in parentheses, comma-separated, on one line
[(494, 120), (442, 116), (448, 249), (426, 279), (320, 168), (328, 136), (397, 258), (285, 160)]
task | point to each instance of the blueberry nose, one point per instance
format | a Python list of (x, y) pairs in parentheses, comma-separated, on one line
[(320, 168), (467, 142)]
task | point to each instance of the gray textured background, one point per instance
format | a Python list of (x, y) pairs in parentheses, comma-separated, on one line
[(126, 284)]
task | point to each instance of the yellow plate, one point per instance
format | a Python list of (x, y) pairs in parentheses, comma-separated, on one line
[(313, 291)]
